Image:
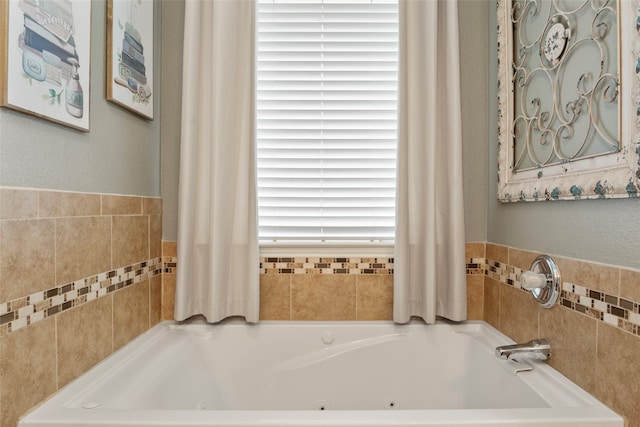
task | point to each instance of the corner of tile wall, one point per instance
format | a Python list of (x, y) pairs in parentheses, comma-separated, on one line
[(98, 259), (475, 260), (169, 261)]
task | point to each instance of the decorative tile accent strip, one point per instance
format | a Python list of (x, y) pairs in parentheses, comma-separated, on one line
[(169, 264), (476, 265), (616, 311), (27, 310), (319, 265)]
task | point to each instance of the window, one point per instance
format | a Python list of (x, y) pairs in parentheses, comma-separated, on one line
[(326, 120)]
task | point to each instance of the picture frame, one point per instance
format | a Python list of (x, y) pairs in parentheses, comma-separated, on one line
[(45, 59), (129, 56), (611, 175)]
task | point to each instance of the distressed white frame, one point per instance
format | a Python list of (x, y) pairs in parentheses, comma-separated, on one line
[(615, 175)]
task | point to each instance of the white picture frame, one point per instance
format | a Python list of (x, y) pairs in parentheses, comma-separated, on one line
[(615, 175), (46, 60), (129, 56)]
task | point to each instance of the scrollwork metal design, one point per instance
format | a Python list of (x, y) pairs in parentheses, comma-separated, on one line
[(565, 80)]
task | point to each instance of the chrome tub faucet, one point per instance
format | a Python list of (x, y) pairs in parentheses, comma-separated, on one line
[(535, 349)]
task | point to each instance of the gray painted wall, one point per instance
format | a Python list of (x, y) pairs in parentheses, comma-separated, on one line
[(172, 40), (120, 154), (605, 231), (474, 85)]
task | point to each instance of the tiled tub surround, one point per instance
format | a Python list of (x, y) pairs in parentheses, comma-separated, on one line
[(285, 281), (593, 328), (80, 276), (589, 347)]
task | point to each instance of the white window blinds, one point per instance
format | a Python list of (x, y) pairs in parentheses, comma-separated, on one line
[(326, 119)]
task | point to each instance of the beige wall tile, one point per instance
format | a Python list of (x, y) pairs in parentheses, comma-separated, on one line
[(27, 369), (492, 302), (83, 247), (130, 240), (169, 248), (18, 204), (475, 297), (275, 296), (27, 263), (521, 259), (121, 205), (374, 296), (475, 249), (155, 300), (518, 314), (155, 236), (323, 297), (591, 275), (168, 295), (84, 338), (152, 205), (497, 252), (617, 373), (57, 204), (573, 344), (130, 313), (630, 284)]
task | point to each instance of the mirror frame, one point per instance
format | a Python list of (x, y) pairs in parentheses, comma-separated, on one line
[(580, 179)]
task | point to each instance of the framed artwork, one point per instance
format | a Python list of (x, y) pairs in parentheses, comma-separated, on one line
[(130, 55), (45, 59), (568, 104)]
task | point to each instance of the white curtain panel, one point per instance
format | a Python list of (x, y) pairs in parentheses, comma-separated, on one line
[(217, 238), (429, 271)]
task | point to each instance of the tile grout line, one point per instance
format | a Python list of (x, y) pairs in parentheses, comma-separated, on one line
[(291, 297), (55, 325)]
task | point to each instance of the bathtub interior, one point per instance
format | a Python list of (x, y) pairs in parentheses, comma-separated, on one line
[(319, 366)]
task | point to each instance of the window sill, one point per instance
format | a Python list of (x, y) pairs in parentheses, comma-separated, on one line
[(332, 250)]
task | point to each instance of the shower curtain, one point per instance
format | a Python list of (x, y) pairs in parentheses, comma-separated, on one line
[(217, 226), (429, 271)]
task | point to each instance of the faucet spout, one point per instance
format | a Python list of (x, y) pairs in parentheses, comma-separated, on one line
[(535, 349)]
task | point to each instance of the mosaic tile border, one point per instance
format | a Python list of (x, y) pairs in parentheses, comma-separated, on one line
[(25, 311), (323, 265), (169, 264), (476, 265), (616, 311), (16, 314)]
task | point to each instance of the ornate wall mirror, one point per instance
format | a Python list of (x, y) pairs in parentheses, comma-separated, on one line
[(568, 99)]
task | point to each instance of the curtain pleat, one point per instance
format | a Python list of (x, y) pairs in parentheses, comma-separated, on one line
[(429, 271), (217, 225)]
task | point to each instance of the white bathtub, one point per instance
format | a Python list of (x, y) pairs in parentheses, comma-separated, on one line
[(319, 373)]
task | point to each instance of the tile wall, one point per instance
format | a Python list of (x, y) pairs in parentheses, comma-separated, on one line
[(310, 288), (326, 288), (80, 276), (594, 329)]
